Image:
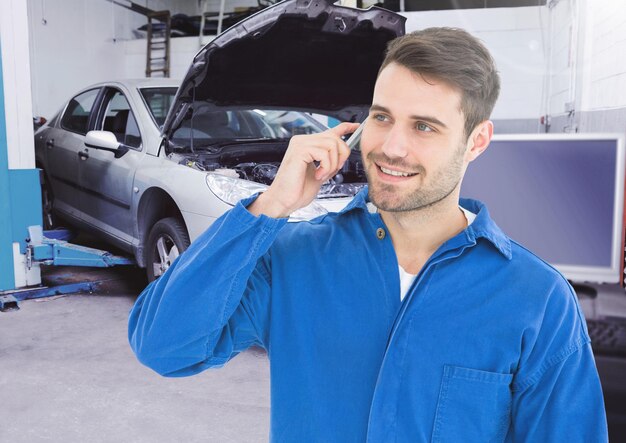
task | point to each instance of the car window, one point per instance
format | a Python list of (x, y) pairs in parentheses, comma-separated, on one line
[(76, 116), (159, 101), (288, 124), (119, 119), (207, 123)]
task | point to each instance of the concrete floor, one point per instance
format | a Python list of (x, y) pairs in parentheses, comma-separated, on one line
[(67, 374)]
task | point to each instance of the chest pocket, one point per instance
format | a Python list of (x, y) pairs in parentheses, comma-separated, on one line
[(473, 406)]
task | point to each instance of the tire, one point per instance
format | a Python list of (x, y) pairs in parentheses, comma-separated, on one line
[(49, 220), (167, 240)]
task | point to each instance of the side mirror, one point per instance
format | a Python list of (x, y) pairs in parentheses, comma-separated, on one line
[(106, 141)]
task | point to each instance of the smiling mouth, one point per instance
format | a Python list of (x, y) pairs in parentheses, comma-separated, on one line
[(395, 173)]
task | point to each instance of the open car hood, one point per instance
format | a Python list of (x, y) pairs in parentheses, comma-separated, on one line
[(306, 55)]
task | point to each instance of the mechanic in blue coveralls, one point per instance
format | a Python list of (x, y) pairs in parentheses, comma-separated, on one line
[(409, 316)]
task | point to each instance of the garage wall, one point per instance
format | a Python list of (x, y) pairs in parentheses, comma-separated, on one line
[(564, 60), (605, 56), (182, 50), (552, 58), (515, 37), (75, 43), (587, 87), (563, 35)]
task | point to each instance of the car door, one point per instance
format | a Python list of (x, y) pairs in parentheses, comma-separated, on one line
[(63, 145), (106, 181)]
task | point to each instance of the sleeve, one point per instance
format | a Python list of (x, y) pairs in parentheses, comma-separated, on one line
[(565, 404), (212, 302), (557, 396)]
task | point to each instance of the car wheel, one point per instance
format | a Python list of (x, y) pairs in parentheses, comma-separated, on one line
[(167, 240), (48, 217)]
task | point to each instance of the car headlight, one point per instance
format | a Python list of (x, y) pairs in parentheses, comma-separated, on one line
[(230, 190)]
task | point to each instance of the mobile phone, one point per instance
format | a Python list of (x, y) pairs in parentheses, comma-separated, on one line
[(353, 143), (355, 138)]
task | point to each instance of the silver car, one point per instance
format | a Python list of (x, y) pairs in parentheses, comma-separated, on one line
[(150, 165)]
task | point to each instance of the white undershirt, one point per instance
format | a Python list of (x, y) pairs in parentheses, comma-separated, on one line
[(406, 279)]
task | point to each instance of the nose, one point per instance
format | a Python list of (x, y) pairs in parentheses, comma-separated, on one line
[(396, 143)]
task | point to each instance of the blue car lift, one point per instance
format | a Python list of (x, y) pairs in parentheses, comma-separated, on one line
[(51, 248), (23, 244)]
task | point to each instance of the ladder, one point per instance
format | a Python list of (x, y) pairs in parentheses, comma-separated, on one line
[(158, 52), (205, 13)]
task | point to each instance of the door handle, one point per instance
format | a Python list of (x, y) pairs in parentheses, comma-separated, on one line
[(84, 155), (50, 143)]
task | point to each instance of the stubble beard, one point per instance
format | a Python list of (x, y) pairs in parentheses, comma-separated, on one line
[(390, 198)]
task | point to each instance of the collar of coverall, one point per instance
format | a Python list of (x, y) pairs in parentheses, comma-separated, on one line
[(482, 226)]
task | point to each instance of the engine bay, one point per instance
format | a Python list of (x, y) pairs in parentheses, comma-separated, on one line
[(259, 163)]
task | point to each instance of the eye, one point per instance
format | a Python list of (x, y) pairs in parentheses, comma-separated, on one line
[(423, 127), (379, 117)]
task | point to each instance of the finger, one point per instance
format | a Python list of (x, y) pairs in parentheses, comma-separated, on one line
[(344, 153), (332, 144), (344, 128), (318, 157), (338, 162), (324, 157), (333, 157)]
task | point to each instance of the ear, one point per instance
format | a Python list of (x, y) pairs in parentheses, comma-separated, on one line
[(479, 140)]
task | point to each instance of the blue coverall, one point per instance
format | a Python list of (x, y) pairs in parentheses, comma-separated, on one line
[(489, 345)]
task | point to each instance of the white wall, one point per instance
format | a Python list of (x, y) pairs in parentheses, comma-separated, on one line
[(587, 64), (182, 51), (566, 50), (547, 57), (74, 43), (84, 42), (567, 55), (604, 61), (515, 38)]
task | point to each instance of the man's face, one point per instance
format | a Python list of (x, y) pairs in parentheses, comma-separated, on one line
[(413, 143)]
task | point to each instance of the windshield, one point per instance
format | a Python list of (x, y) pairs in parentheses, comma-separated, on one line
[(204, 125), (159, 101)]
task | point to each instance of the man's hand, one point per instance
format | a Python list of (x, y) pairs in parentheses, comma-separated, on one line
[(298, 180)]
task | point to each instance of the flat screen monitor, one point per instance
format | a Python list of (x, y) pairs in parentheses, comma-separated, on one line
[(560, 196)]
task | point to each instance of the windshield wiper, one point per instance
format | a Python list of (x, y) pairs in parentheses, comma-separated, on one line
[(220, 143), (213, 146)]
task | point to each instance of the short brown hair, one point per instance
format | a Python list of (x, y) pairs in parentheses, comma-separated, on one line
[(455, 57)]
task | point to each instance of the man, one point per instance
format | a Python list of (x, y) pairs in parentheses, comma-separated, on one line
[(407, 317)]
